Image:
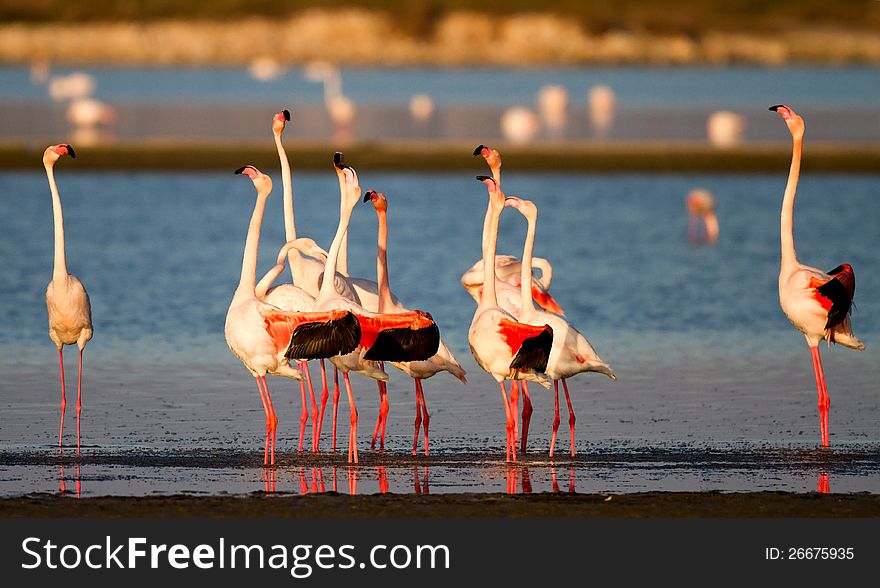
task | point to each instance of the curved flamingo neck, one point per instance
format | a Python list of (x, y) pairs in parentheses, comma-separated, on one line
[(293, 254), (789, 257), (496, 175), (385, 302), (342, 262), (488, 298), (528, 305), (60, 269), (248, 281), (327, 285)]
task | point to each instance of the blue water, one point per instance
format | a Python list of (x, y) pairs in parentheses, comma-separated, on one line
[(734, 87)]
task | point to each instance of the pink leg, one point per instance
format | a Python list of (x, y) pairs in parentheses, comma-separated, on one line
[(386, 407), (63, 399), (273, 418), (418, 423), (305, 370), (555, 416), (304, 415), (335, 404), (426, 418), (79, 375), (352, 433), (571, 417), (266, 410), (325, 394), (383, 395), (509, 423), (514, 409), (526, 416), (824, 401)]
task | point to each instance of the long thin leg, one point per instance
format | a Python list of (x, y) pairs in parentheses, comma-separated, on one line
[(385, 408), (509, 423), (79, 375), (514, 409), (266, 410), (555, 416), (63, 399), (383, 394), (304, 415), (325, 394), (526, 416), (418, 422), (571, 417), (824, 400), (335, 403), (426, 418), (352, 433), (273, 419), (305, 371)]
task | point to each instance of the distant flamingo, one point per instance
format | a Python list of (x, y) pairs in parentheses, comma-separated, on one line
[(507, 267), (505, 348), (701, 207), (385, 337), (818, 304), (262, 335), (70, 314), (443, 360), (570, 353)]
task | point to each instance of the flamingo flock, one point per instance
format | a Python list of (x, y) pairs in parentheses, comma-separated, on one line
[(519, 333)]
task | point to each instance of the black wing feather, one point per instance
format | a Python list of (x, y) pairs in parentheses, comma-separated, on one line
[(325, 339), (839, 290), (534, 352), (405, 344)]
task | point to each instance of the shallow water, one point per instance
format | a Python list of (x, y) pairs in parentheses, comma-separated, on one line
[(713, 380)]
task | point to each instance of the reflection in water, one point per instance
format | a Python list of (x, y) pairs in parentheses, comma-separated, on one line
[(62, 481), (383, 479), (555, 481), (352, 480), (269, 480), (420, 487), (824, 485)]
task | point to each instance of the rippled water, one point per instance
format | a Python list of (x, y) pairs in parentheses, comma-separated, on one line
[(707, 361)]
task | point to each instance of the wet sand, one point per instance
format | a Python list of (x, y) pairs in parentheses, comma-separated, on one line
[(642, 505)]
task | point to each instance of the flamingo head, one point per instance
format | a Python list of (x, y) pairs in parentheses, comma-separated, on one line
[(700, 202), (304, 245), (279, 120), (54, 152), (378, 199), (526, 207), (792, 120), (492, 157), (260, 180), (490, 183), (346, 173)]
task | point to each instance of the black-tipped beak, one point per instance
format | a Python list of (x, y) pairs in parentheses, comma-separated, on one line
[(369, 195), (240, 170), (286, 114), (479, 150), (777, 107), (339, 160), (483, 178), (70, 151)]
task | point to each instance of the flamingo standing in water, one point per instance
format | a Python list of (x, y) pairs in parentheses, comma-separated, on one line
[(70, 314), (443, 360), (263, 336), (406, 336), (817, 303), (507, 267), (505, 348), (701, 207), (570, 353)]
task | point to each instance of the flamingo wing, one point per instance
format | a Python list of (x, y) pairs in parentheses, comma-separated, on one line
[(545, 300), (313, 335), (409, 336), (530, 345), (838, 293)]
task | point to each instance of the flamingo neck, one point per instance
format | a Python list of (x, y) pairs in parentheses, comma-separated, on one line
[(496, 175), (342, 262), (488, 298), (327, 286), (60, 269), (789, 258), (248, 281), (293, 254), (528, 305), (385, 302)]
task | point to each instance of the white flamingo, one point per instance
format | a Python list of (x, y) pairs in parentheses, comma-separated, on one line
[(67, 302), (443, 360), (817, 303), (505, 348), (570, 353)]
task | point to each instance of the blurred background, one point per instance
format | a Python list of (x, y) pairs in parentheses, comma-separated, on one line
[(517, 72)]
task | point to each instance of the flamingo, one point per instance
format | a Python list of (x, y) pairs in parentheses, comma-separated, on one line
[(67, 302), (570, 353), (505, 348), (701, 207), (263, 336), (307, 274), (385, 337), (817, 303), (507, 267), (443, 360)]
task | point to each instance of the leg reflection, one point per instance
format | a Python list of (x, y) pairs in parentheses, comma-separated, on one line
[(824, 485), (383, 479), (526, 481)]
